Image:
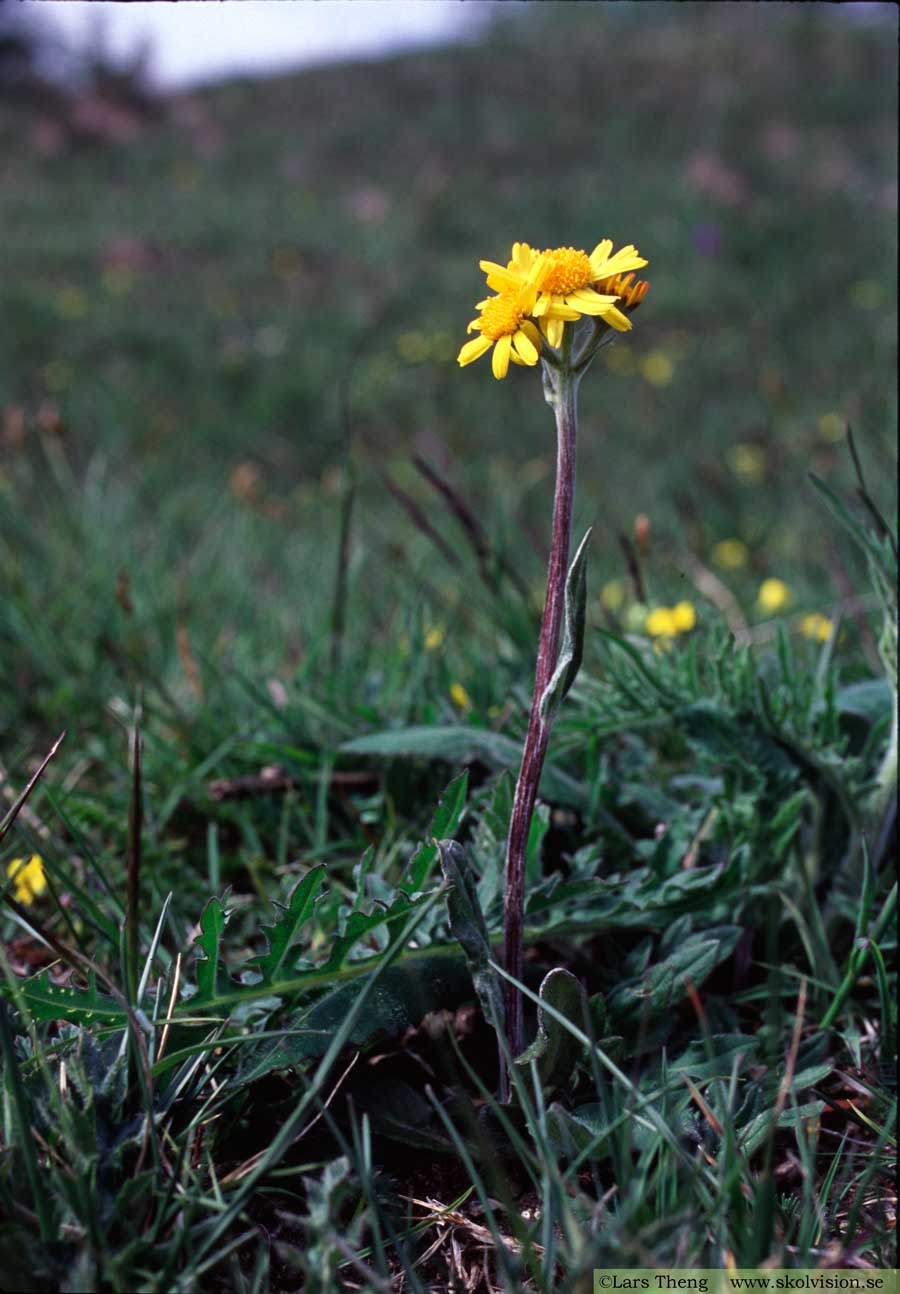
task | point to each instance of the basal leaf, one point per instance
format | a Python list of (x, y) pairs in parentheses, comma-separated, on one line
[(280, 936), (457, 744), (406, 992), (210, 971), (555, 1049), (48, 1001), (359, 924), (468, 926), (443, 826)]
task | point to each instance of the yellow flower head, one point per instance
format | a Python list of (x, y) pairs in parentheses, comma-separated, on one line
[(731, 553), (669, 622), (29, 878), (503, 322), (684, 616), (460, 697), (816, 626), (434, 637), (661, 623), (773, 595), (568, 280), (503, 325)]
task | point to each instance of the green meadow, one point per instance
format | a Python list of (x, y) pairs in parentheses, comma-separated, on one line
[(274, 563)]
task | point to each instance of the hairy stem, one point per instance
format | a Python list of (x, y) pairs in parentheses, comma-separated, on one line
[(561, 385)]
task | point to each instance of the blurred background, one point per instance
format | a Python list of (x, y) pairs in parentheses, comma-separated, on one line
[(236, 274)]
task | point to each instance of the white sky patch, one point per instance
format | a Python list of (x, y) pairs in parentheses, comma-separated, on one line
[(196, 41)]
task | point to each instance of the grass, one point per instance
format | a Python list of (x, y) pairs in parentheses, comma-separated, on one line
[(229, 329)]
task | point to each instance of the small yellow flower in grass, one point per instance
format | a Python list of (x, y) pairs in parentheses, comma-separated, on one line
[(657, 368), (832, 426), (816, 626), (773, 595), (503, 325), (434, 638), (749, 461), (684, 617), (730, 553), (669, 622), (661, 623), (460, 697), (29, 878), (612, 595)]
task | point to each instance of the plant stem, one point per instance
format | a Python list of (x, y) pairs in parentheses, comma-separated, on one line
[(561, 386)]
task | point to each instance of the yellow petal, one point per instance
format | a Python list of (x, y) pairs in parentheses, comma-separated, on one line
[(500, 357), (502, 280), (602, 250), (559, 310), (522, 257), (472, 350), (491, 267), (553, 330), (616, 319), (531, 333), (525, 347), (627, 258)]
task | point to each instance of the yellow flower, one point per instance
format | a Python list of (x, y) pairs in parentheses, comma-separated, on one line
[(657, 368), (459, 696), (816, 626), (684, 617), (669, 622), (731, 553), (568, 279), (612, 594), (749, 461), (661, 623), (434, 637), (773, 595), (832, 426), (503, 325), (29, 878)]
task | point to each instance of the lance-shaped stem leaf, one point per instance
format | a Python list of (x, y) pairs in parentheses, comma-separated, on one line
[(572, 649)]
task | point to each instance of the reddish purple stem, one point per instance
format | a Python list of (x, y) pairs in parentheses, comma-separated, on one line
[(538, 735)]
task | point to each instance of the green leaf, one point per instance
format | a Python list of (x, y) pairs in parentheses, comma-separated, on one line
[(468, 926), (756, 1131), (457, 744), (574, 1132), (571, 649), (664, 983), (555, 1049), (871, 699), (406, 992), (714, 1058), (735, 740), (359, 924), (299, 909), (47, 1001), (443, 826), (210, 971)]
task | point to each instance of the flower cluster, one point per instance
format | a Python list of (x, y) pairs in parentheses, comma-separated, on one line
[(538, 292), (669, 622)]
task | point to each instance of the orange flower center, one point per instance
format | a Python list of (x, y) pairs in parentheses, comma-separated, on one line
[(566, 271), (501, 316)]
